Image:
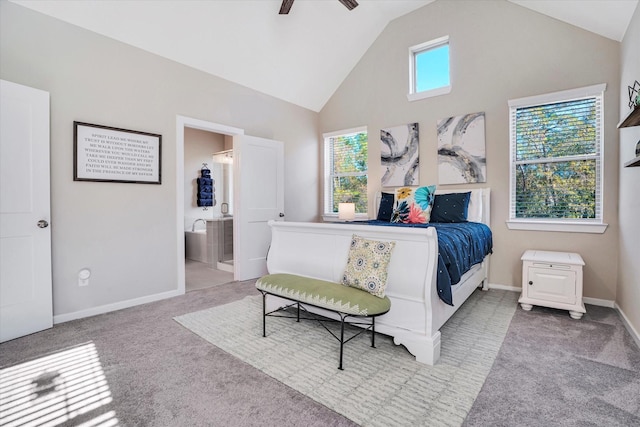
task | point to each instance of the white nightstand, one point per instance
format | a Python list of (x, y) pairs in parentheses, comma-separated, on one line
[(552, 279)]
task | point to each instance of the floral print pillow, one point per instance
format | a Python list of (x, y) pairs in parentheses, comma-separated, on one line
[(367, 265), (413, 205)]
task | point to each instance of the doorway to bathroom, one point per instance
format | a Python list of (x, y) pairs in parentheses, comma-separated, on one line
[(258, 196), (208, 208), (222, 176)]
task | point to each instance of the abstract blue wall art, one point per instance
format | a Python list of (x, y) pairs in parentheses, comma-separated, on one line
[(461, 149), (399, 155)]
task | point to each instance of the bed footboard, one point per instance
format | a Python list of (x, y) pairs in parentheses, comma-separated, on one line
[(319, 250)]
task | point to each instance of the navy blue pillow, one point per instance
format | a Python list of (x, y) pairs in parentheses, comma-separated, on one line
[(386, 207), (452, 207)]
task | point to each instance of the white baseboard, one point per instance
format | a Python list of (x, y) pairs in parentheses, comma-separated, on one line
[(93, 311), (599, 302), (586, 300), (505, 287), (632, 331), (225, 267)]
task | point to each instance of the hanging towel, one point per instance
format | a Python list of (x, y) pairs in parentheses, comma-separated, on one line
[(205, 181), (205, 202), (205, 193)]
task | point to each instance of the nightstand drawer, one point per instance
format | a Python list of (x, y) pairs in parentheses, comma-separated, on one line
[(556, 266)]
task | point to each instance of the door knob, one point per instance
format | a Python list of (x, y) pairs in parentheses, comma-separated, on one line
[(43, 224), (530, 282), (281, 215)]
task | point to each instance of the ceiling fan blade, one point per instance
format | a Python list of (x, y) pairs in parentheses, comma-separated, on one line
[(349, 4), (286, 7)]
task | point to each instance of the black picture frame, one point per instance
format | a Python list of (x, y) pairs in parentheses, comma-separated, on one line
[(109, 154)]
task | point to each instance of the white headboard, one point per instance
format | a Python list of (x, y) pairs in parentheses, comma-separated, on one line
[(479, 204)]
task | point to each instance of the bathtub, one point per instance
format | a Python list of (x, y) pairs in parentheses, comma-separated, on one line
[(196, 245)]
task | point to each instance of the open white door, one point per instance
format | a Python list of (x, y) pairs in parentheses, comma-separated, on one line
[(258, 198), (25, 236)]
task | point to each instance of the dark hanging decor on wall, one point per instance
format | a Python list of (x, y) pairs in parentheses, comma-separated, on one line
[(285, 7), (634, 95), (206, 195)]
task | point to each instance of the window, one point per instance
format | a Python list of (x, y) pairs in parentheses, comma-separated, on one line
[(345, 170), (556, 161), (429, 69)]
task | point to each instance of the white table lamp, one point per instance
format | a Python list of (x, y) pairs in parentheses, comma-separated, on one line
[(346, 211)]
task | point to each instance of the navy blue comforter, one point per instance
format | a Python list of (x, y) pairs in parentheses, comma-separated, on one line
[(460, 246)]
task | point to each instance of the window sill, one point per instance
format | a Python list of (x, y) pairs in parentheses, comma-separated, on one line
[(561, 226), (334, 218), (429, 93)]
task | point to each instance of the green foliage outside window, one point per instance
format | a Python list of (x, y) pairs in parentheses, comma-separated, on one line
[(349, 155), (557, 160)]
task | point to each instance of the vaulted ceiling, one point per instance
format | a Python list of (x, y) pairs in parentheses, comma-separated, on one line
[(301, 57)]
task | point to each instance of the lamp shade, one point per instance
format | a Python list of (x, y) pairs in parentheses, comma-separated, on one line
[(346, 211)]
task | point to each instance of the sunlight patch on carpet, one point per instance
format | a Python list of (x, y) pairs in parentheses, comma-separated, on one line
[(380, 386), (57, 389)]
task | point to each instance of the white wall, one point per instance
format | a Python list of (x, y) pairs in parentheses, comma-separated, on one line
[(628, 297), (126, 233), (499, 51), (199, 147)]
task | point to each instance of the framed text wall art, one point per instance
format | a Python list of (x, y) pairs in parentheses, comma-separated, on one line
[(103, 153)]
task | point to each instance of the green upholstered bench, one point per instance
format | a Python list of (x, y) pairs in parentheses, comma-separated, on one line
[(346, 301)]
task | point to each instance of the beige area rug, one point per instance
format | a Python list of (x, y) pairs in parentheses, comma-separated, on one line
[(381, 386)]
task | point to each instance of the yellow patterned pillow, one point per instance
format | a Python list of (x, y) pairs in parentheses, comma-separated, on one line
[(367, 265)]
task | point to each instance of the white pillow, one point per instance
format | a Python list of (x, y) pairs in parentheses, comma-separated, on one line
[(474, 213)]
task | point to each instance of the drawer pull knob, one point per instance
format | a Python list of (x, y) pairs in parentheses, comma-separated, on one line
[(531, 282)]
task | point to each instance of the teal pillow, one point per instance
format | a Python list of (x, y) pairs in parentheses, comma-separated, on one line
[(367, 265), (452, 207)]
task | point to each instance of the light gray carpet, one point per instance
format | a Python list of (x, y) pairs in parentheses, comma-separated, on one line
[(157, 373), (556, 371), (384, 386), (550, 371)]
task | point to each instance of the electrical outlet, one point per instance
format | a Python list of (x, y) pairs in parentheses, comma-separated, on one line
[(83, 277)]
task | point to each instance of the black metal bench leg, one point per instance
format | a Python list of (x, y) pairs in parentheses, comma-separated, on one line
[(343, 317), (264, 314), (341, 338), (373, 332)]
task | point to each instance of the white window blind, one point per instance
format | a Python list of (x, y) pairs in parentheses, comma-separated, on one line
[(556, 156), (345, 170)]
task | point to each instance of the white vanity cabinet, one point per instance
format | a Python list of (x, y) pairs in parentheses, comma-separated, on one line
[(552, 279)]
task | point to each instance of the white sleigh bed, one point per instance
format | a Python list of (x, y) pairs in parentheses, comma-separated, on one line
[(319, 250)]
